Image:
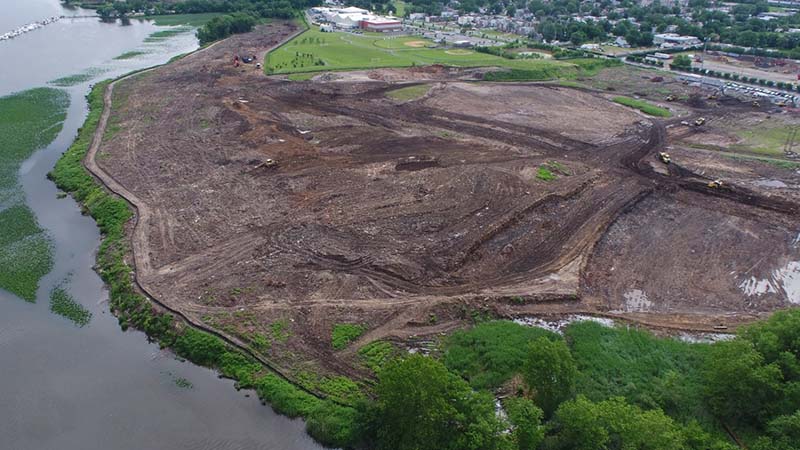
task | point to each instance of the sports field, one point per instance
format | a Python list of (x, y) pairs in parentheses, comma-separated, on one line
[(315, 51)]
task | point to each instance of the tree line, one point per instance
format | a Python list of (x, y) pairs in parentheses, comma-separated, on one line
[(750, 384)]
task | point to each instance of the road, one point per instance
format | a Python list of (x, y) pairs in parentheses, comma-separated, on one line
[(749, 72)]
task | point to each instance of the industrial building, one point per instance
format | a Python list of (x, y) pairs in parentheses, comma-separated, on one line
[(673, 39), (351, 18)]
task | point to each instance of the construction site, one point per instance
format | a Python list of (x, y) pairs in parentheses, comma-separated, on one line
[(328, 201)]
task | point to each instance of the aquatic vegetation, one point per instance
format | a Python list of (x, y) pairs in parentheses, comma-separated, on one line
[(166, 34), (194, 20), (183, 383), (63, 304), (29, 120), (78, 78)]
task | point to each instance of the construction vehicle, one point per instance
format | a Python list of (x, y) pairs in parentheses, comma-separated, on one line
[(781, 104), (716, 184), (756, 104), (664, 157), (700, 121), (712, 97), (670, 98)]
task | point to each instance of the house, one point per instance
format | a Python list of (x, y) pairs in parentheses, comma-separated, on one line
[(675, 39), (621, 42)]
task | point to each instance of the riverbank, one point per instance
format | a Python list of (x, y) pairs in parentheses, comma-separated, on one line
[(112, 214)]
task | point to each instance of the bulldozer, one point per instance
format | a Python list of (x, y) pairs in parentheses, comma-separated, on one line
[(700, 121), (756, 104), (670, 98), (664, 157), (716, 184)]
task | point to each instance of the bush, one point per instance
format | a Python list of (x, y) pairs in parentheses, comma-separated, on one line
[(544, 174), (199, 347), (345, 333), (334, 425), (224, 26), (491, 353)]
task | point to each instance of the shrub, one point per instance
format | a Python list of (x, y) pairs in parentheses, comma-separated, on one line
[(491, 353), (544, 174), (345, 333), (199, 347)]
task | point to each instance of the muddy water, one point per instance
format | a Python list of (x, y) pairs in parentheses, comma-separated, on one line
[(63, 387)]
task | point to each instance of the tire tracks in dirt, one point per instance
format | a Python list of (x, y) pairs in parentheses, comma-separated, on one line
[(142, 216)]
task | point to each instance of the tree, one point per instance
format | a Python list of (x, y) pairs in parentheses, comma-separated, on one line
[(783, 433), (682, 62), (739, 386), (580, 424), (550, 373), (421, 405), (578, 37), (526, 420)]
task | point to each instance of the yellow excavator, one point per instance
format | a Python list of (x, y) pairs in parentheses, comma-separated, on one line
[(664, 157), (716, 184), (700, 121)]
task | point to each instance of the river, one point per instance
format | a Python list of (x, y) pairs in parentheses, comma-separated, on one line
[(97, 387)]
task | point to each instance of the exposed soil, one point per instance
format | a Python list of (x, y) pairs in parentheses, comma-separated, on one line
[(410, 217)]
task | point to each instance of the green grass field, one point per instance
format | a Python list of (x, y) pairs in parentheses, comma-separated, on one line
[(765, 139), (315, 51), (29, 120), (643, 106), (408, 93), (192, 20)]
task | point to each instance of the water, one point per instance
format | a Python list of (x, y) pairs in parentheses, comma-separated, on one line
[(97, 387)]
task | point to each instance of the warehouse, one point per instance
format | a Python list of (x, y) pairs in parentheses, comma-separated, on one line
[(382, 24), (352, 17)]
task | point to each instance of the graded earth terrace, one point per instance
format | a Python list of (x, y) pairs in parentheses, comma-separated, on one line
[(265, 204)]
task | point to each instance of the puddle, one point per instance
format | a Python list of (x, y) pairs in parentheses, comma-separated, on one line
[(557, 326), (784, 280), (704, 338), (636, 301), (770, 183)]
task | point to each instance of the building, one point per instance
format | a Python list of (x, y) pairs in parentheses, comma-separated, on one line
[(381, 24), (675, 40)]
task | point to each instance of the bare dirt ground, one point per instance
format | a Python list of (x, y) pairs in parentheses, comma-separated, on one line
[(411, 217)]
